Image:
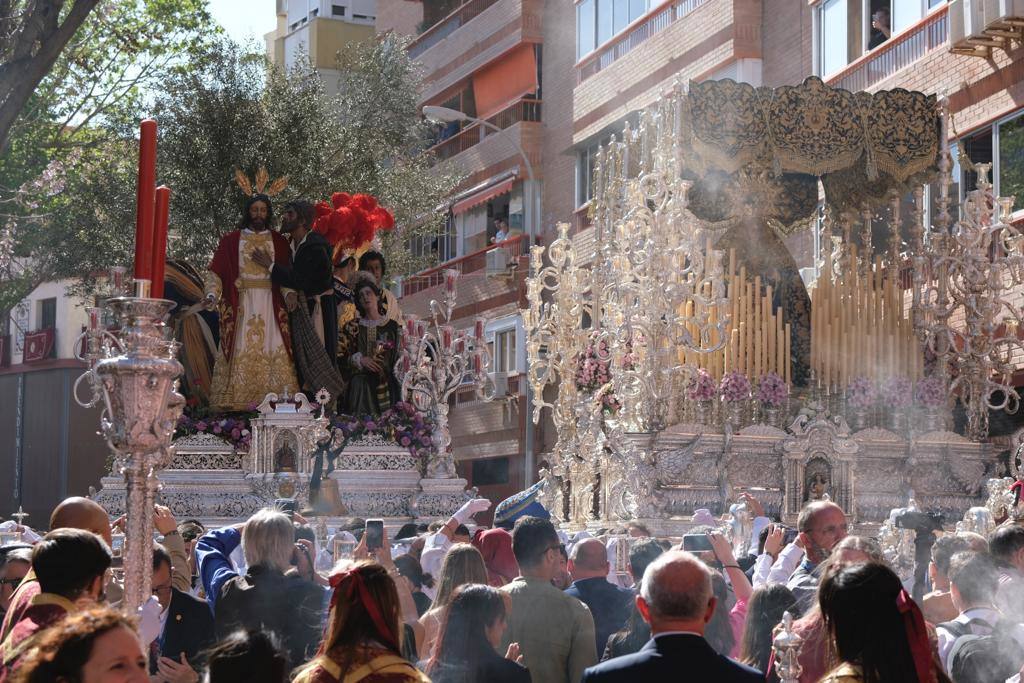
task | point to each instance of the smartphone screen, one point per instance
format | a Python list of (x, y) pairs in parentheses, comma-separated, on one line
[(696, 542), (374, 534)]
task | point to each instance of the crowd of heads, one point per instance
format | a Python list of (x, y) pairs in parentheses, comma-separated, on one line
[(453, 601)]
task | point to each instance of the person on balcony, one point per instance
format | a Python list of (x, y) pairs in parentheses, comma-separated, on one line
[(500, 231), (880, 28)]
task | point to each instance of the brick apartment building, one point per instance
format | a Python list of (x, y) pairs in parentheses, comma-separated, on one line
[(598, 62)]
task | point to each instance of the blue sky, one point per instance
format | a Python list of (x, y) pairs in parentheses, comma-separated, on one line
[(245, 20)]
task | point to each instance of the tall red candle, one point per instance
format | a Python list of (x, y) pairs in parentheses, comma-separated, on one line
[(145, 198), (163, 201)]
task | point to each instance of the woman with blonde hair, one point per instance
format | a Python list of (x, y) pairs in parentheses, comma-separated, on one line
[(462, 564), (363, 640), (267, 597)]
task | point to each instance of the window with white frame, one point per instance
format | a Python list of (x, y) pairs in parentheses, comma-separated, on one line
[(440, 247), (598, 21), (504, 352), (847, 29), (1002, 145)]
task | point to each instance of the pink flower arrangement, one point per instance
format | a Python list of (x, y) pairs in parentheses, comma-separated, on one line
[(861, 393), (930, 392), (772, 390), (702, 387), (593, 367), (897, 392), (593, 371), (735, 387)]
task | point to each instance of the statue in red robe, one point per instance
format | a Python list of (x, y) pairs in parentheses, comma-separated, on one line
[(254, 357)]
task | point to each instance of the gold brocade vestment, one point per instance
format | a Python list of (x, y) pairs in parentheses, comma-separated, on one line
[(259, 362)]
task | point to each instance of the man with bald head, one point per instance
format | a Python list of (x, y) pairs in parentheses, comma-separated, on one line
[(677, 600), (608, 603), (81, 513), (71, 513), (822, 524)]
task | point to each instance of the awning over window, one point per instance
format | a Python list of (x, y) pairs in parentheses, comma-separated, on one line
[(481, 196), (505, 81)]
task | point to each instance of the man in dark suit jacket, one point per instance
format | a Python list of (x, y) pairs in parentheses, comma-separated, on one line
[(187, 625), (609, 604), (311, 270), (676, 599)]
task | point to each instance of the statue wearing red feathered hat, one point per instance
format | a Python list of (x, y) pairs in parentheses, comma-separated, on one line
[(350, 223)]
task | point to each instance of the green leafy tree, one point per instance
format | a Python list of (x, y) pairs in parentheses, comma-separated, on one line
[(67, 171), (32, 35), (240, 112)]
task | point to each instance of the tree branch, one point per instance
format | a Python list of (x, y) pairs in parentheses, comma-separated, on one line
[(14, 97)]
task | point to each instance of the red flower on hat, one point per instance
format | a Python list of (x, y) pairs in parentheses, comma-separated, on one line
[(382, 219), (350, 221), (364, 202)]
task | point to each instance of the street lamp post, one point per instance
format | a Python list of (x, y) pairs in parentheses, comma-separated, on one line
[(531, 199)]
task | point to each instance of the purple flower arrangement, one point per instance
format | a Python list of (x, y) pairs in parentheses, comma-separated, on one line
[(861, 393), (897, 392), (772, 390), (232, 427), (702, 387), (734, 387), (409, 427), (930, 392)]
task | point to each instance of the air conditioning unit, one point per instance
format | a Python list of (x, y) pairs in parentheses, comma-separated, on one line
[(966, 20), (500, 385), (1004, 14), (977, 26)]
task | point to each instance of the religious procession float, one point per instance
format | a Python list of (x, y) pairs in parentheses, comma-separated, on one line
[(264, 380), (694, 360)]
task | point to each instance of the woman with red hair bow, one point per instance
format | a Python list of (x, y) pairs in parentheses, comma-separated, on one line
[(363, 640), (876, 628)]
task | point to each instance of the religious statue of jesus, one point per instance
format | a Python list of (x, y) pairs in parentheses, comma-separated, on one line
[(254, 357)]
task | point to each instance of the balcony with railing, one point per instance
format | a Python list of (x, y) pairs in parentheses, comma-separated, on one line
[(525, 110), (493, 260), (581, 219), (633, 36), (895, 54), (461, 16)]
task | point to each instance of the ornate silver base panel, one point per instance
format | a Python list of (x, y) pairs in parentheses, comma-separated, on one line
[(868, 473), (209, 481)]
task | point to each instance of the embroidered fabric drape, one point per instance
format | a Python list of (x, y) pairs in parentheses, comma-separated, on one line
[(766, 148)]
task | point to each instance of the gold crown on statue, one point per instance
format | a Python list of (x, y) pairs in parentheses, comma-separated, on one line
[(259, 184)]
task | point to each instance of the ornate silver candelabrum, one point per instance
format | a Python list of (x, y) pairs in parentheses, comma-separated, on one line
[(557, 294), (436, 361), (965, 273), (656, 289), (898, 543), (133, 373)]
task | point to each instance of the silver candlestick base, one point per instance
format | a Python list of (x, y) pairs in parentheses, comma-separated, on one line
[(787, 645)]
